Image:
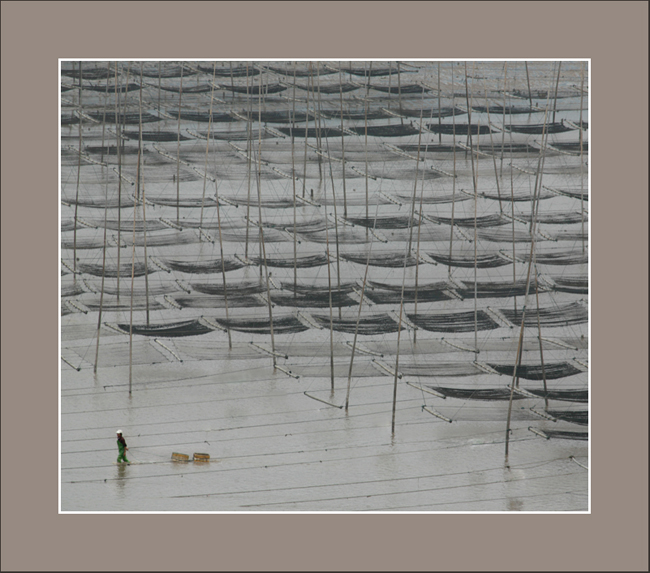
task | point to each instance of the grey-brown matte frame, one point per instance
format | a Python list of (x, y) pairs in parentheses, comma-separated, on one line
[(35, 34)]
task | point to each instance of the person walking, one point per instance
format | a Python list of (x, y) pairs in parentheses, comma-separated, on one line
[(121, 446)]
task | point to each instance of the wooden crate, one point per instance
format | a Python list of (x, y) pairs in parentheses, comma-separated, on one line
[(180, 457), (201, 457)]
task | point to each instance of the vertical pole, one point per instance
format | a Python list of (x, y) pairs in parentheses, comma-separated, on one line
[(582, 199), (118, 134), (293, 181), (557, 85), (76, 205), (345, 203), (249, 149), (259, 204), (178, 151)]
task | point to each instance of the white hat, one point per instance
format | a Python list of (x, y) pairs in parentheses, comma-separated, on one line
[(119, 432)]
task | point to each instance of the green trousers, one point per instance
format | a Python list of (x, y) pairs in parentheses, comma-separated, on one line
[(122, 458)]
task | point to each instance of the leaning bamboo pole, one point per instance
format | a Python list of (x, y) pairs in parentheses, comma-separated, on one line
[(535, 207), (475, 185), (261, 230), (336, 223), (530, 95), (345, 202), (417, 255), (317, 122), (361, 299)]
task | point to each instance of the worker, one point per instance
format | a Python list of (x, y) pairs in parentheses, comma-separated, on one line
[(121, 446)]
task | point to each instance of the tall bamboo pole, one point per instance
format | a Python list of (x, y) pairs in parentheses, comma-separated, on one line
[(178, 150), (475, 184), (259, 204), (76, 203), (535, 206), (293, 181), (249, 153), (345, 203), (119, 179)]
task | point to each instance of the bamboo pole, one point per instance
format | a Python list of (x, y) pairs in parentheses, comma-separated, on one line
[(293, 181), (119, 179), (530, 95), (76, 205), (439, 110), (535, 202), (159, 90), (108, 75), (345, 203), (582, 199), (557, 85), (249, 148), (101, 294), (336, 224), (453, 187), (361, 297), (503, 131), (144, 217), (417, 256), (178, 150), (135, 212), (475, 184), (259, 204), (221, 254), (494, 159), (304, 166), (327, 241)]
